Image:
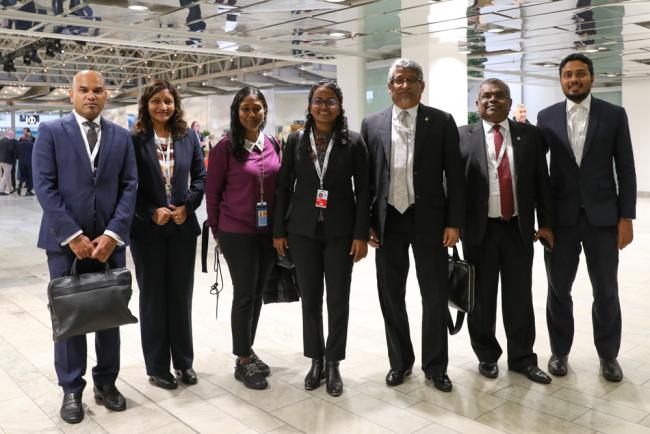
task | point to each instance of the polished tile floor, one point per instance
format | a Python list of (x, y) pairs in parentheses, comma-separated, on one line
[(580, 402)]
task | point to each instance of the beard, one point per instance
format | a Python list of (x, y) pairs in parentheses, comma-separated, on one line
[(577, 98)]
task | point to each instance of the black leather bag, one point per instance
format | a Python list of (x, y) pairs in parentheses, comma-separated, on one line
[(86, 303), (461, 290), (282, 286)]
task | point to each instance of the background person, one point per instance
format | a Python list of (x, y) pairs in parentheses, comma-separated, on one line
[(8, 145), (327, 225), (25, 148), (164, 232), (242, 179)]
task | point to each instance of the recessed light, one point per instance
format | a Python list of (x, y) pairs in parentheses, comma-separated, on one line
[(337, 34), (138, 8), (495, 30)]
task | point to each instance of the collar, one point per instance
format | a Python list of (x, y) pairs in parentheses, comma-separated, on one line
[(413, 111), (585, 103), (248, 145), (504, 124), (80, 119)]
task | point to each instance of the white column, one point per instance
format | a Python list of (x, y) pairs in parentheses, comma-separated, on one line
[(635, 101), (350, 76), (445, 70)]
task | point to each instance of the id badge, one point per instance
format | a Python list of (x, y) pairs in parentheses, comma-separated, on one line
[(321, 198), (262, 214)]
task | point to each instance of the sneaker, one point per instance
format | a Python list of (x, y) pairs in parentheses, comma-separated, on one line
[(263, 367), (250, 375)]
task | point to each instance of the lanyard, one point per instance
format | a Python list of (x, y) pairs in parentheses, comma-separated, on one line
[(166, 172), (321, 172), (498, 159), (261, 175)]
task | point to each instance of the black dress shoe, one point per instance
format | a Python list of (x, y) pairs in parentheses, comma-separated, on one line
[(315, 375), (488, 369), (29, 193), (533, 373), (395, 377), (611, 370), (441, 382), (110, 397), (188, 376), (263, 367), (557, 365), (71, 409), (333, 381), (164, 381)]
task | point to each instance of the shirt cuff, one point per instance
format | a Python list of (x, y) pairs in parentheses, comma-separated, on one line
[(71, 237), (115, 236)]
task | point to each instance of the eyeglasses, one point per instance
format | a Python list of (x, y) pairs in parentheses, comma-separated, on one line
[(328, 102), (400, 81)]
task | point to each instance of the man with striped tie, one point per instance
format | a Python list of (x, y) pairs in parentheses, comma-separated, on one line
[(507, 178)]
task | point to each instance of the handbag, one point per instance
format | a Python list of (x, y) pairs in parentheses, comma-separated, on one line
[(89, 302), (461, 290), (282, 286)]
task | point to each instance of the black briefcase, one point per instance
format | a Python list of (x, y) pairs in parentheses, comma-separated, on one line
[(86, 303), (460, 289)]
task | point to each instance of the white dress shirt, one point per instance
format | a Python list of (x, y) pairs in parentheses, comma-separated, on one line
[(91, 158), (399, 148), (577, 121), (494, 201)]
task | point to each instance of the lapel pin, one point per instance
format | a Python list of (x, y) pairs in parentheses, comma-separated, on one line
[(518, 138), (426, 119)]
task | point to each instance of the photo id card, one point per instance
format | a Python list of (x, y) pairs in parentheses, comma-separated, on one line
[(321, 198), (262, 214)]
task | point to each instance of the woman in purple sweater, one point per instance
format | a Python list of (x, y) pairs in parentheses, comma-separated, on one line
[(240, 187)]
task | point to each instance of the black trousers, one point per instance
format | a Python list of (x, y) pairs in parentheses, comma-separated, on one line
[(164, 268), (392, 263), (250, 259), (503, 253), (601, 252), (25, 175), (315, 258), (70, 355)]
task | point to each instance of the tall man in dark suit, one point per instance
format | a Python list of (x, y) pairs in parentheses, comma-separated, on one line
[(591, 149), (507, 178), (8, 146), (85, 178), (413, 148)]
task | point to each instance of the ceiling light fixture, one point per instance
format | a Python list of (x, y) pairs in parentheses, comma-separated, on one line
[(337, 34), (138, 7)]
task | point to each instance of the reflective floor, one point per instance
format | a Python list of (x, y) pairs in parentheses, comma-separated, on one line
[(582, 402)]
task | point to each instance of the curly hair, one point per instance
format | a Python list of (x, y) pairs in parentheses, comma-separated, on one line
[(341, 134), (237, 131), (144, 125)]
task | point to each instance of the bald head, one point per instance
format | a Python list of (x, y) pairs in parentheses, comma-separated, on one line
[(10, 134), (88, 94)]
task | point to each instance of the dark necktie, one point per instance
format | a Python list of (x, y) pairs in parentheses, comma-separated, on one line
[(505, 177), (91, 134)]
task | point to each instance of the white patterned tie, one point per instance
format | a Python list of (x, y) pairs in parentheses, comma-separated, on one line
[(400, 164)]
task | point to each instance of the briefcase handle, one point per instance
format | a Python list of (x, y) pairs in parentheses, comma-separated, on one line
[(73, 268)]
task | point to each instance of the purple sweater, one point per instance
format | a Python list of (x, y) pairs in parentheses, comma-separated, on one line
[(232, 188)]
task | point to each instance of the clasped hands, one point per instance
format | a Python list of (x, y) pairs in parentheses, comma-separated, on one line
[(101, 248), (162, 215)]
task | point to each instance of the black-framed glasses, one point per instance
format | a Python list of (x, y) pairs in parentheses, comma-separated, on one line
[(399, 81), (331, 102)]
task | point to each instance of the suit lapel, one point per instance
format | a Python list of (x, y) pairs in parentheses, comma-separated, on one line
[(105, 145), (151, 154), (422, 125), (386, 127), (592, 126), (563, 133), (516, 134), (477, 141), (71, 128)]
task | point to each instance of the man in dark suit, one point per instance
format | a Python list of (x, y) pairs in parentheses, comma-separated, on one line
[(521, 114), (24, 152), (591, 149), (85, 178), (507, 178), (412, 149), (8, 146)]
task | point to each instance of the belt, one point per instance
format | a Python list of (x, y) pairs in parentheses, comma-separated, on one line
[(513, 219)]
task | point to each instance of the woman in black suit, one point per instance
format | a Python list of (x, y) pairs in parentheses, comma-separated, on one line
[(323, 194), (164, 232)]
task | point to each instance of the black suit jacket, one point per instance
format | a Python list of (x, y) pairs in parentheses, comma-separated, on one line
[(188, 164), (436, 162), (8, 151), (531, 174), (346, 182), (592, 184)]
